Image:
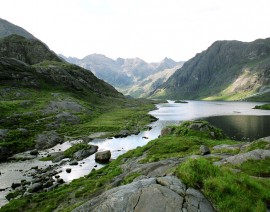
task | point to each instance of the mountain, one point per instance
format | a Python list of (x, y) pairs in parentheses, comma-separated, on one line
[(125, 74), (227, 70), (144, 88), (43, 97), (7, 28), (30, 51)]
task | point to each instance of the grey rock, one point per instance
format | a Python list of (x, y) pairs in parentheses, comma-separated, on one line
[(123, 134), (59, 106), (166, 131), (227, 147), (15, 185), (4, 153), (151, 195), (195, 201), (34, 152), (257, 154), (204, 128), (103, 156), (66, 117), (3, 133), (84, 153), (48, 184), (195, 126), (73, 163), (35, 187), (68, 170), (204, 150), (48, 139)]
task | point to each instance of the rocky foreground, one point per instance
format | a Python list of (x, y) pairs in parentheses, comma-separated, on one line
[(192, 167)]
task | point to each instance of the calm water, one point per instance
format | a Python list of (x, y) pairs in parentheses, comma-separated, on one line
[(168, 114), (242, 127)]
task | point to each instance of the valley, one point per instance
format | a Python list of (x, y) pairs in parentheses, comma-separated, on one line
[(71, 141)]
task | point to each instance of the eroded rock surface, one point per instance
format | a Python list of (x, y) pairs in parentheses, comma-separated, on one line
[(163, 194)]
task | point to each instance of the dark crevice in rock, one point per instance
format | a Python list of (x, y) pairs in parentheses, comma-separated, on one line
[(137, 200)]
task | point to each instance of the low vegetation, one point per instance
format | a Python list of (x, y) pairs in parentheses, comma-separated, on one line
[(227, 189), (263, 107)]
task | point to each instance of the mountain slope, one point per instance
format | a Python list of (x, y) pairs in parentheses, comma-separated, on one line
[(7, 28), (44, 100), (228, 70), (124, 74), (30, 51)]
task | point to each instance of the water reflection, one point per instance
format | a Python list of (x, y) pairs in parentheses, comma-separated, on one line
[(242, 127)]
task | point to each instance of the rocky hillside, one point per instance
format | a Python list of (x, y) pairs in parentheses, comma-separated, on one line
[(30, 51), (149, 84), (44, 100), (127, 74), (227, 70), (7, 28)]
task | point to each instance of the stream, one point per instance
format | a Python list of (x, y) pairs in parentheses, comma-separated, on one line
[(257, 123)]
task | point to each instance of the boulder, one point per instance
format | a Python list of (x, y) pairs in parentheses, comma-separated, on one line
[(34, 152), (103, 156), (15, 185), (47, 140), (35, 187), (122, 134), (84, 153), (73, 163), (4, 153), (204, 150), (166, 131), (68, 170)]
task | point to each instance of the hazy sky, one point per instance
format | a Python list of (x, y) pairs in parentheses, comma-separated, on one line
[(149, 29)]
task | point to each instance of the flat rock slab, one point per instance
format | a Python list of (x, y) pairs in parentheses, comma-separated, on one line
[(258, 154), (163, 194)]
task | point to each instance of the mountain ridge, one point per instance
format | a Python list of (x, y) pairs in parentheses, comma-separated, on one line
[(126, 74), (7, 28), (227, 70)]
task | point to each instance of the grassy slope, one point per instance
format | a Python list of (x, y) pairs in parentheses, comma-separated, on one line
[(25, 111), (229, 191)]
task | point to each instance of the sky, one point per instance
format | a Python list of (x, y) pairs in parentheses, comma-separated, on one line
[(148, 29)]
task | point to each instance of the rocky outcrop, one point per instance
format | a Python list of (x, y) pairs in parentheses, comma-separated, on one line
[(257, 154), (164, 194), (47, 140), (60, 105), (84, 153)]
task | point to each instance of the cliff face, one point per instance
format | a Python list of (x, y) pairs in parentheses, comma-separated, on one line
[(228, 70)]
